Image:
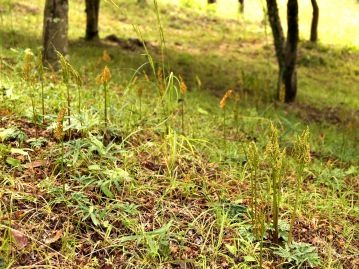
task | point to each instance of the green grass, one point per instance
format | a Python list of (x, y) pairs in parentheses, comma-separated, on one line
[(154, 197)]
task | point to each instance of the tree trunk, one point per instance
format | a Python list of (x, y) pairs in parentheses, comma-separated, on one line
[(211, 1), (92, 14), (278, 37), (286, 52), (55, 29), (290, 71), (315, 21), (241, 8)]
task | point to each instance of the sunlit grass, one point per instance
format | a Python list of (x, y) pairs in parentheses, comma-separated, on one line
[(338, 23), (156, 195)]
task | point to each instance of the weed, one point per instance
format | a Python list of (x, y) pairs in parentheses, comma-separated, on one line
[(103, 79), (276, 157), (302, 155), (298, 255)]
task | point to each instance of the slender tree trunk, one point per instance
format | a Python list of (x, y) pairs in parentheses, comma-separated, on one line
[(315, 21), (241, 8), (211, 1), (55, 29), (278, 37), (286, 52), (290, 71), (92, 14)]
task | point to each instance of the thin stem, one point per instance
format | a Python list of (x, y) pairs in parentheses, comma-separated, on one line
[(140, 106), (182, 118), (296, 202), (261, 243), (62, 158), (275, 205), (255, 200), (42, 102), (105, 91), (79, 102), (224, 130), (68, 104)]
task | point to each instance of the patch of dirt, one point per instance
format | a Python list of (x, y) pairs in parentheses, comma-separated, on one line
[(320, 233), (127, 44), (332, 115)]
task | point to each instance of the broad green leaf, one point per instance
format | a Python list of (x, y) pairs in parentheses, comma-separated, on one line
[(13, 162)]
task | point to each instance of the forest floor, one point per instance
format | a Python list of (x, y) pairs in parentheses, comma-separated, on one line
[(169, 183)]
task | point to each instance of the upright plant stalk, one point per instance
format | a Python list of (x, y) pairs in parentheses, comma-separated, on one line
[(236, 112), (59, 135), (275, 204), (68, 73), (276, 157), (261, 242), (30, 79), (162, 36), (253, 162), (78, 81), (105, 95), (183, 90), (79, 103), (68, 103), (40, 70), (139, 95), (104, 79), (43, 102), (301, 154), (222, 105)]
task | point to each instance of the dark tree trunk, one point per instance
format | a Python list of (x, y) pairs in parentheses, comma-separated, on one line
[(55, 29), (92, 14), (290, 71), (286, 52), (241, 7), (211, 1), (278, 37), (315, 21)]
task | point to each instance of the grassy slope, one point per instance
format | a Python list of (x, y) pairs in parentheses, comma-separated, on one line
[(192, 192)]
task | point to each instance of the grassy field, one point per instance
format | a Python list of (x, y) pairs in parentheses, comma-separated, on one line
[(176, 178)]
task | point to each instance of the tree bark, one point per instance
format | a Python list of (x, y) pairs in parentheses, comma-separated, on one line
[(278, 37), (315, 21), (290, 70), (92, 15), (241, 7), (286, 52), (55, 28)]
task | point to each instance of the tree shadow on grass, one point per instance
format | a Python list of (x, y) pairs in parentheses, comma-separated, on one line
[(207, 71)]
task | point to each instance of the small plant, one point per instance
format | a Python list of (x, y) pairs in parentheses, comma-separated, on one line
[(68, 74), (139, 93), (183, 90), (37, 143), (301, 154), (237, 98), (12, 134), (276, 157), (59, 135), (40, 73), (222, 105), (103, 79), (30, 80), (253, 163), (299, 255)]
